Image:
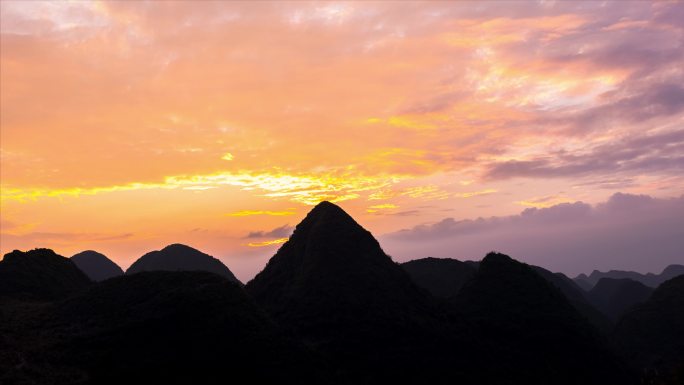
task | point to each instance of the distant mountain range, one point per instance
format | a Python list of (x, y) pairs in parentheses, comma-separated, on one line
[(651, 335), (615, 296), (649, 279), (330, 307)]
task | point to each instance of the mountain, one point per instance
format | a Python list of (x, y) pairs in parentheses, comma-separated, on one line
[(179, 257), (39, 274), (442, 277), (540, 336), (577, 298), (96, 266), (649, 279), (582, 282), (651, 334), (614, 296), (332, 285), (153, 328)]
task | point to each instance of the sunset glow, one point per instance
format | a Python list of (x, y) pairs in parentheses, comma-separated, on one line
[(127, 126)]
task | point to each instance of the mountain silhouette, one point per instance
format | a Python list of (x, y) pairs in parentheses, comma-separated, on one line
[(177, 257), (39, 274), (583, 282), (442, 277), (332, 284), (651, 334), (614, 296), (541, 338), (155, 328), (577, 298), (330, 307), (649, 279), (96, 266)]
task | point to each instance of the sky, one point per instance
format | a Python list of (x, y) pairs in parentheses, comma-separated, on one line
[(553, 131)]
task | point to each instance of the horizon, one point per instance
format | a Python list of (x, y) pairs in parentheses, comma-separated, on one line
[(549, 131), (248, 278)]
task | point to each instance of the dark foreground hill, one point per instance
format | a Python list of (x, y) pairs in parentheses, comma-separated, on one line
[(332, 284), (444, 277), (330, 306), (614, 296), (152, 328), (577, 298), (652, 334), (39, 274), (96, 266), (542, 337), (179, 257)]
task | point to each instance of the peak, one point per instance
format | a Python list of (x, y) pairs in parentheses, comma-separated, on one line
[(88, 254), (96, 265), (39, 274), (673, 268), (494, 257), (329, 255), (326, 204), (178, 247), (326, 220), (326, 208), (40, 252), (179, 257), (502, 265)]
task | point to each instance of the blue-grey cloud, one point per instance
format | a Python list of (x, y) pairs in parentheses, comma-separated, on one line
[(279, 232), (663, 152), (627, 231)]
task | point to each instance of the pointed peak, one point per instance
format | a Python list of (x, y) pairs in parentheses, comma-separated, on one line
[(327, 214), (326, 204), (327, 208)]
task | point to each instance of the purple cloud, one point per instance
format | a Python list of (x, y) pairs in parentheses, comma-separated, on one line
[(652, 153), (279, 232), (630, 232)]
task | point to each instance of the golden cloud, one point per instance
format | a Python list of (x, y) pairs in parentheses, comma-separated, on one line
[(268, 243)]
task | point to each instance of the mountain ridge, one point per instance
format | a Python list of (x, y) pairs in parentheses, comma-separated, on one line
[(179, 257), (649, 279), (96, 265)]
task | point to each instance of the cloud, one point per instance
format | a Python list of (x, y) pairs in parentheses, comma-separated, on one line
[(464, 82), (64, 238), (283, 231), (631, 231), (267, 243), (656, 153), (352, 102)]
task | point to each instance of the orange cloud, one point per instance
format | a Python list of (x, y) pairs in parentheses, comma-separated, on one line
[(127, 116)]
